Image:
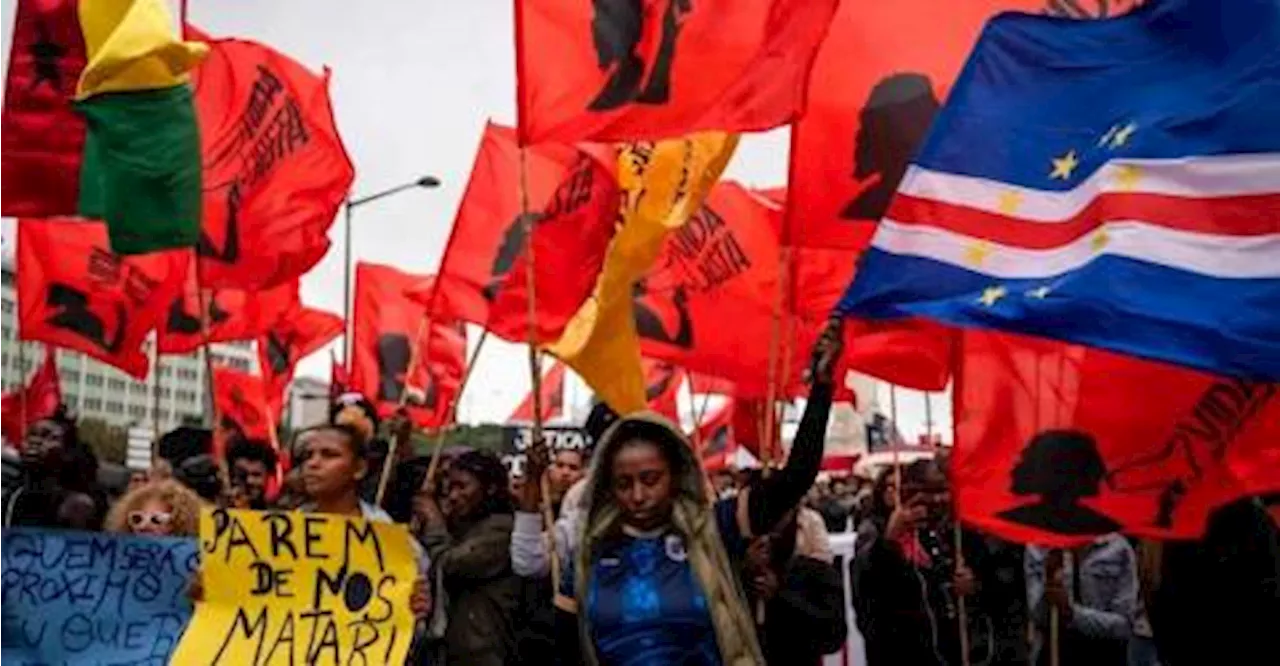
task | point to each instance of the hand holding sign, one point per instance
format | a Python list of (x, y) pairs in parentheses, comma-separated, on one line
[(319, 589)]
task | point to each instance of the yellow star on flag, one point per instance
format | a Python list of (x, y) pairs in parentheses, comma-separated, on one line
[(977, 252), (1009, 201), (1099, 241), (992, 294), (1063, 166), (1127, 176), (1121, 135), (1039, 292)]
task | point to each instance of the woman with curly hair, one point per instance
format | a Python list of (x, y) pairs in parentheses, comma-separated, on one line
[(156, 508)]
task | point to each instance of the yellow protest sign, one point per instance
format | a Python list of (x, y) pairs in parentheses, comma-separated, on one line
[(300, 588)]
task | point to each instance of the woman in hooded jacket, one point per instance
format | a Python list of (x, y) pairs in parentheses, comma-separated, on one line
[(652, 577)]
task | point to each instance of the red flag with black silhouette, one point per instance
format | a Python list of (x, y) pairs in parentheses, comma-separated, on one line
[(388, 325), (241, 402), (39, 399), (703, 384), (275, 169), (338, 378), (573, 199), (42, 137), (233, 314), (621, 70), (1022, 470), (73, 292), (298, 334), (552, 398), (877, 82), (662, 387)]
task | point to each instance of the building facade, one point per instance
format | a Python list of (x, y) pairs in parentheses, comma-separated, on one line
[(96, 390)]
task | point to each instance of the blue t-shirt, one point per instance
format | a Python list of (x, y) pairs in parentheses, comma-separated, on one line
[(644, 603)]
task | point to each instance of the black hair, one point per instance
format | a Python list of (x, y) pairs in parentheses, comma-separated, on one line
[(254, 450), (918, 471), (200, 474), (406, 478), (879, 507), (599, 420), (630, 431), (492, 475)]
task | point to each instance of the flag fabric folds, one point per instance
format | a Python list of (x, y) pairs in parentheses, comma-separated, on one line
[(663, 183), (624, 70), (1153, 468), (41, 136), (400, 356), (296, 335), (275, 168), (231, 314), (662, 382), (1134, 210), (38, 399), (552, 398), (73, 292), (572, 201), (141, 168)]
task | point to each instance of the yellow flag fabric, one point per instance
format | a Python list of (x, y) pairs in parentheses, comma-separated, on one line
[(283, 588), (662, 184), (133, 45)]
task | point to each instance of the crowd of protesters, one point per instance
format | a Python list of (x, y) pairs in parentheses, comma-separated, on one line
[(631, 554)]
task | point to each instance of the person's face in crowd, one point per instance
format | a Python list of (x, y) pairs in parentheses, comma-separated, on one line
[(466, 494), (331, 467), (251, 476), (153, 518), (641, 484), (889, 495), (566, 468), (78, 512), (515, 484), (934, 492), (43, 442)]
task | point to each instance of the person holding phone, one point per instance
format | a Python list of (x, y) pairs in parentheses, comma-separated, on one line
[(908, 580)]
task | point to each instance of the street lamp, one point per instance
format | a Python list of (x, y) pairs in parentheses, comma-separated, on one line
[(425, 182)]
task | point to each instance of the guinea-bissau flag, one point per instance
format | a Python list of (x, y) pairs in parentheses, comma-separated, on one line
[(249, 158), (139, 167)]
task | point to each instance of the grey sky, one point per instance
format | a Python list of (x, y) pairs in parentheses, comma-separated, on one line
[(413, 83)]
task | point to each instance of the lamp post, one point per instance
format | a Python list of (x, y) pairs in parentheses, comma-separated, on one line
[(425, 182)]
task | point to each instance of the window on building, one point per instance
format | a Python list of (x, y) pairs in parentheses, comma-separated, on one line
[(92, 404), (93, 380), (115, 407), (165, 371), (115, 384), (137, 411), (137, 388), (8, 306), (240, 364), (70, 375), (165, 393), (26, 364)]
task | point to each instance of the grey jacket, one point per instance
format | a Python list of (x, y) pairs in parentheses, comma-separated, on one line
[(1104, 604)]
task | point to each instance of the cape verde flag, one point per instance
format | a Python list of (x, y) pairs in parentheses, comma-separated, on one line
[(1114, 183)]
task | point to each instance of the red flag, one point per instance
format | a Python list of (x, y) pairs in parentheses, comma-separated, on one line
[(877, 82), (620, 70), (708, 303), (1155, 467), (703, 384), (74, 293), (388, 325), (275, 169), (339, 379), (43, 138), (39, 399), (295, 336), (233, 314), (482, 275), (662, 387), (242, 406), (552, 398), (749, 421)]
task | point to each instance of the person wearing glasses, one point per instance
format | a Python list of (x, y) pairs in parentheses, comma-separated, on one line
[(156, 508)]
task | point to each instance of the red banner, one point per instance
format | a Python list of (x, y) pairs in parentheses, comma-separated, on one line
[(552, 398), (74, 293), (1152, 464), (41, 137), (275, 169), (233, 314), (39, 399), (298, 334), (242, 403), (715, 437), (620, 70), (482, 276), (662, 387), (388, 326)]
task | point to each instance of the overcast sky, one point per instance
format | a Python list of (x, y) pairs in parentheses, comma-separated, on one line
[(413, 83)]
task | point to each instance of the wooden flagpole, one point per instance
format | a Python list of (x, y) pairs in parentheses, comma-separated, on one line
[(434, 465)]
